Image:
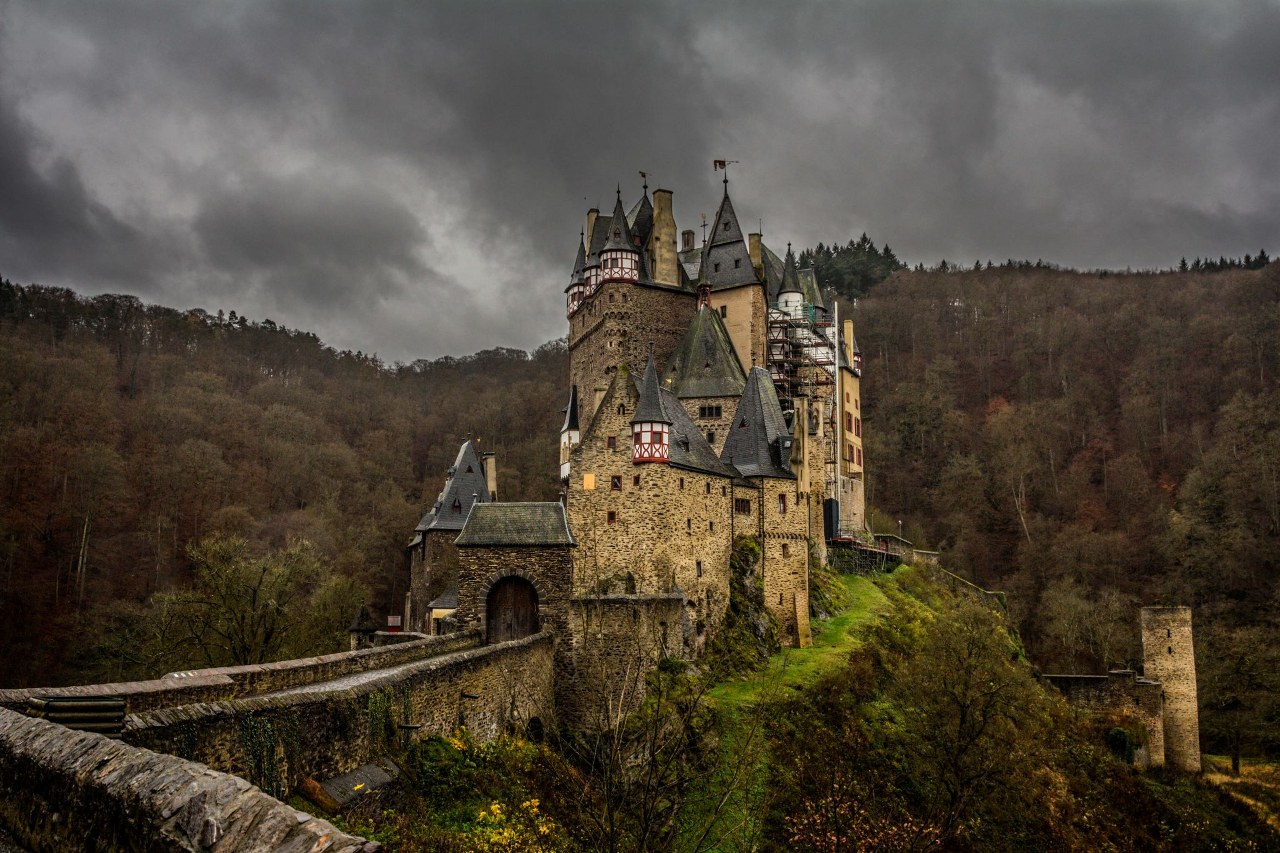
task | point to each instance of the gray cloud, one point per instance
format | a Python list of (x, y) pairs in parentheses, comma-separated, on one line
[(410, 178)]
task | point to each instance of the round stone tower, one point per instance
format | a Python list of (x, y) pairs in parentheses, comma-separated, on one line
[(1169, 657)]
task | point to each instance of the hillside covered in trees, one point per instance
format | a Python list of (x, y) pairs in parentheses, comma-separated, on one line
[(1088, 442), (129, 433)]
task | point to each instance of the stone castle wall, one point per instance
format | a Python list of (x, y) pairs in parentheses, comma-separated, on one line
[(721, 425), (613, 643), (433, 568), (1169, 657), (745, 320), (623, 324), (672, 529), (62, 790), (549, 569), (784, 553), (1121, 693)]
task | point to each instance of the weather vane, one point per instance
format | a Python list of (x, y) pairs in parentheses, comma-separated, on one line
[(717, 165)]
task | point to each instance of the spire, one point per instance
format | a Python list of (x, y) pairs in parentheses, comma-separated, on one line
[(651, 409), (464, 486), (571, 412), (790, 277), (579, 261), (618, 236), (728, 262)]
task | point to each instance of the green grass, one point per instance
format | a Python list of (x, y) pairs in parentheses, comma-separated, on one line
[(833, 640)]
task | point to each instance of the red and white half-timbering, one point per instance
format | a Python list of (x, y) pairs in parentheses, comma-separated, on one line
[(650, 442)]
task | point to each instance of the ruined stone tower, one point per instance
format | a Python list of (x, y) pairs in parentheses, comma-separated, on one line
[(1169, 657)]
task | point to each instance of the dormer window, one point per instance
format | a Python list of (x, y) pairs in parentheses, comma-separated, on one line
[(457, 506), (716, 266), (737, 263), (726, 226)]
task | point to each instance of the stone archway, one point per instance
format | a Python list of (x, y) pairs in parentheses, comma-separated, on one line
[(511, 610)]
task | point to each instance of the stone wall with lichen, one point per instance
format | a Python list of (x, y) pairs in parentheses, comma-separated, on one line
[(1123, 694), (1168, 656), (62, 790), (325, 730)]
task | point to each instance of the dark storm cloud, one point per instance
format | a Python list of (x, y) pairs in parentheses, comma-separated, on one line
[(358, 168)]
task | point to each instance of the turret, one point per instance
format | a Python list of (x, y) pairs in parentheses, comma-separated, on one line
[(619, 257), (577, 289), (790, 296), (569, 433), (651, 425)]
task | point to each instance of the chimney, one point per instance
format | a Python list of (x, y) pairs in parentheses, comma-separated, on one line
[(490, 464), (753, 248), (686, 240), (847, 345), (592, 214), (665, 267)]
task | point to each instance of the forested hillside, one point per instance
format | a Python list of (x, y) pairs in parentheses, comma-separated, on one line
[(129, 432), (1089, 443)]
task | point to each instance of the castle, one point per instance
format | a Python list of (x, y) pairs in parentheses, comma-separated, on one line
[(711, 393)]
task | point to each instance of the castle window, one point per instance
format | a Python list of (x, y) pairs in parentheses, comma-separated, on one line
[(723, 491), (711, 525), (688, 525), (737, 263), (779, 598), (615, 483), (711, 436), (635, 481), (682, 482), (698, 567), (782, 504), (857, 427), (622, 408), (708, 485), (611, 296), (457, 506), (1171, 650), (724, 311), (710, 411), (848, 421), (611, 442), (611, 517), (786, 550), (859, 456), (742, 506), (726, 226), (717, 267)]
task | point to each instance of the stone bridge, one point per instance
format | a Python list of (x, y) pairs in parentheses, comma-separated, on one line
[(274, 725)]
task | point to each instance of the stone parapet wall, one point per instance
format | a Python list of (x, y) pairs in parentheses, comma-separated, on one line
[(232, 682), (325, 730), (1123, 693), (62, 790)]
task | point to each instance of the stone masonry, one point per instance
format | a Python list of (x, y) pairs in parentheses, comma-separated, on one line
[(1169, 657)]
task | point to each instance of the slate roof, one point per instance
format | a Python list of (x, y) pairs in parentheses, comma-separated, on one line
[(465, 480), (571, 411), (705, 363), (598, 236), (618, 232), (809, 287), (641, 218), (728, 262), (790, 280), (579, 265), (448, 600), (772, 272), (651, 409), (689, 448), (758, 444), (516, 524)]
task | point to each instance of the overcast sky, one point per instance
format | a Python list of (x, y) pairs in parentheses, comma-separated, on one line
[(410, 178)]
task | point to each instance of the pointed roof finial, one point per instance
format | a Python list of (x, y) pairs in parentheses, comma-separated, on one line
[(619, 191), (645, 176)]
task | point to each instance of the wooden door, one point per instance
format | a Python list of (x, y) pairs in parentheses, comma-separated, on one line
[(512, 610)]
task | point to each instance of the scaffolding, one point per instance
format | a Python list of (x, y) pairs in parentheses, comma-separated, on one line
[(802, 352)]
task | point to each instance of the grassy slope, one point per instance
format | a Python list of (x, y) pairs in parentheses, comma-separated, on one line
[(794, 669)]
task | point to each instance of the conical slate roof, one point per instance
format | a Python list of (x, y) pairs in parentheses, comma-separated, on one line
[(705, 363), (758, 444), (790, 280), (651, 408), (618, 235), (464, 486), (571, 411), (641, 218), (809, 287), (579, 266), (727, 262)]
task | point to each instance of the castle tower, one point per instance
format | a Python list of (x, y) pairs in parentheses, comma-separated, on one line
[(1169, 657), (635, 299), (577, 289), (737, 289)]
